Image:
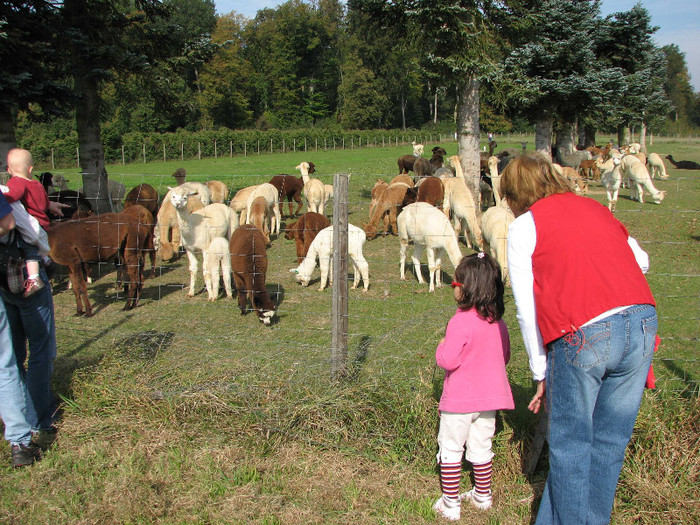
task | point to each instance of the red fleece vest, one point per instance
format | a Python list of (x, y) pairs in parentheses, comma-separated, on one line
[(582, 264)]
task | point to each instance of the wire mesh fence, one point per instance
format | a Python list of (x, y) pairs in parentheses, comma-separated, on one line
[(192, 344)]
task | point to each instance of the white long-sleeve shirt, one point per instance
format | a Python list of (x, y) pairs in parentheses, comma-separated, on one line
[(28, 226), (522, 238)]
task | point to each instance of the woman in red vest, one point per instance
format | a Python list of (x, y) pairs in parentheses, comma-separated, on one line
[(588, 320)]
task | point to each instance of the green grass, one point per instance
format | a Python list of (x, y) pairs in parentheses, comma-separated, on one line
[(184, 411)]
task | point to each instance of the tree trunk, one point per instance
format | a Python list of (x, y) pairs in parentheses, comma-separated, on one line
[(589, 139), (566, 138), (543, 135), (7, 134), (468, 135), (643, 137), (92, 159), (436, 106), (623, 135), (403, 110)]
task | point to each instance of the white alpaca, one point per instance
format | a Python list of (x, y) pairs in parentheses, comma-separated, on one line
[(656, 166), (429, 229), (271, 195), (459, 201), (633, 169), (417, 149), (218, 265), (198, 229), (314, 190), (322, 247), (239, 203), (611, 178), (494, 227)]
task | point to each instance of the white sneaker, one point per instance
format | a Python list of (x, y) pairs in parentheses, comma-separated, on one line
[(480, 502), (447, 509)]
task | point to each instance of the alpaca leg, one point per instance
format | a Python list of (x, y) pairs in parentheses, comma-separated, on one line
[(417, 254), (402, 258), (324, 264), (432, 269), (278, 220), (193, 272), (226, 271), (241, 290)]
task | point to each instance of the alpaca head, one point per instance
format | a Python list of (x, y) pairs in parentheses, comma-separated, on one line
[(178, 197)]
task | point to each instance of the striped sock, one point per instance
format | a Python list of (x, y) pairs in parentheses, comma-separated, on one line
[(449, 479), (482, 479)]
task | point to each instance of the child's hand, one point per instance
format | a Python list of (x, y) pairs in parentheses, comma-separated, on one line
[(539, 398), (441, 341)]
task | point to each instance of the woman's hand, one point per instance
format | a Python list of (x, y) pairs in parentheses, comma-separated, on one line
[(539, 398)]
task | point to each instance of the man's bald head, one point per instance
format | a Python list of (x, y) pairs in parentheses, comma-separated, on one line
[(19, 162)]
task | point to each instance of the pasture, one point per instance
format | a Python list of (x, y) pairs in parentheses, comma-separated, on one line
[(184, 411)]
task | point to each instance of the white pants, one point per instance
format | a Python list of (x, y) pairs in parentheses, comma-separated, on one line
[(471, 431)]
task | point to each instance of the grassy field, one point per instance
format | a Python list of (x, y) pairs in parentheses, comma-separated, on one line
[(184, 411)]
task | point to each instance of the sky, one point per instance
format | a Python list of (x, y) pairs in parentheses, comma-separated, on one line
[(678, 21)]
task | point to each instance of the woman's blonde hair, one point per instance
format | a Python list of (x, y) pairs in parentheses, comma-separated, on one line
[(529, 178)]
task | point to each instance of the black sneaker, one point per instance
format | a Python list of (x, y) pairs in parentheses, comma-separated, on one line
[(44, 438), (25, 455)]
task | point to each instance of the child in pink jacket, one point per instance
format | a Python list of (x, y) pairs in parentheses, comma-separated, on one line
[(473, 353)]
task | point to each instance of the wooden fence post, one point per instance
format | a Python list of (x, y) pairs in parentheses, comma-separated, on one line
[(163, 151), (144, 152), (339, 350), (77, 155)]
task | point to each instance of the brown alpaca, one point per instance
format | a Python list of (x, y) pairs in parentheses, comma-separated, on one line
[(390, 205), (289, 187), (304, 231), (432, 191), (144, 195), (249, 267), (98, 239)]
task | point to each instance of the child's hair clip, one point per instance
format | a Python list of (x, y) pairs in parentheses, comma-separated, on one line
[(480, 255)]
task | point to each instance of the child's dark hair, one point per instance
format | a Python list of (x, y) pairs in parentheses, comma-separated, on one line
[(482, 286)]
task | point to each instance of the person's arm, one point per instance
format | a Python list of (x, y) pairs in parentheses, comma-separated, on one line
[(449, 351), (640, 255), (28, 226), (522, 237)]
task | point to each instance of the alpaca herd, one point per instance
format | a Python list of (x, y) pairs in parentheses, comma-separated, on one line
[(433, 209)]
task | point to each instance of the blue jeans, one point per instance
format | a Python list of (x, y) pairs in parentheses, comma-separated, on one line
[(31, 321), (595, 380), (16, 407)]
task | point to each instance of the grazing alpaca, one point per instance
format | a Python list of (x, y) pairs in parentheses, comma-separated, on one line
[(304, 231), (219, 265), (683, 164), (656, 166), (392, 200), (377, 192), (322, 248), (249, 267), (270, 194), (197, 229), (259, 215), (494, 228), (632, 169), (406, 179), (314, 189), (239, 203), (428, 228), (289, 187)]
